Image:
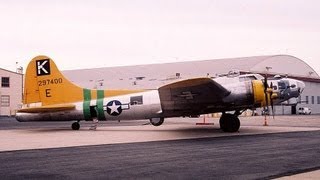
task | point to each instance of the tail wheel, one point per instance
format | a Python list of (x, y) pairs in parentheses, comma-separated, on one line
[(229, 123), (157, 121), (75, 126)]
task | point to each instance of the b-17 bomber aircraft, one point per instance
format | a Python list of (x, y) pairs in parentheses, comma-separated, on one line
[(49, 96)]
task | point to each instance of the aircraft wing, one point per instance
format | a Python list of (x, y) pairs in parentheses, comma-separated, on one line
[(191, 96), (50, 108)]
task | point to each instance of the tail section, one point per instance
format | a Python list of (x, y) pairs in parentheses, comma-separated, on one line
[(45, 85)]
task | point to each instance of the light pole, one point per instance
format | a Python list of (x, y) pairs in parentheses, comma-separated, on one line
[(19, 70), (268, 68)]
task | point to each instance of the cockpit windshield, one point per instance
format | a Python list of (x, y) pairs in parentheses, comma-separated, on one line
[(283, 84)]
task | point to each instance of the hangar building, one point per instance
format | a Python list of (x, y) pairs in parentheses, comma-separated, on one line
[(10, 92), (155, 75)]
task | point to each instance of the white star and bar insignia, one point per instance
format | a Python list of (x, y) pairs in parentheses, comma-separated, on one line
[(114, 108)]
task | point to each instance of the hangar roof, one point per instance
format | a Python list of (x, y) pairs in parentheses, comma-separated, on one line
[(158, 74), (8, 71)]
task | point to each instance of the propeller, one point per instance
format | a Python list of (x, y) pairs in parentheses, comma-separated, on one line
[(268, 91)]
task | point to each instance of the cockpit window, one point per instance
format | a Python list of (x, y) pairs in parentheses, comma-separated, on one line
[(281, 85)]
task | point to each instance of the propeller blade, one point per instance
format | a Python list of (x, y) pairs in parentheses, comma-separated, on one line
[(265, 83), (272, 107), (267, 101), (271, 99), (266, 93)]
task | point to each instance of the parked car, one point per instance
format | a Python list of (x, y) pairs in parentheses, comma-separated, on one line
[(304, 110)]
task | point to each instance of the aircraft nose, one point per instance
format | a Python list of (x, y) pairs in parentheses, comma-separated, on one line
[(301, 86)]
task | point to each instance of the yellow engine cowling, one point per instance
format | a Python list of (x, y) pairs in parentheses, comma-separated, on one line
[(258, 93)]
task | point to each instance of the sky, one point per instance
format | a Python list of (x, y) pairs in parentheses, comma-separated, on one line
[(80, 34)]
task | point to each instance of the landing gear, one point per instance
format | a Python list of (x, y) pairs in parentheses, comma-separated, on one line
[(229, 122), (156, 121), (75, 125)]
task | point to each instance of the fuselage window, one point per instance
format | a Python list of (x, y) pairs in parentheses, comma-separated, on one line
[(136, 100)]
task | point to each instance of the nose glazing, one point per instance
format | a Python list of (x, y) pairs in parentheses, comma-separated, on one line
[(301, 86)]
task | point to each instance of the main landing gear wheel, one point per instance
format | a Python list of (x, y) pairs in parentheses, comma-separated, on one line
[(229, 122), (75, 126), (156, 121)]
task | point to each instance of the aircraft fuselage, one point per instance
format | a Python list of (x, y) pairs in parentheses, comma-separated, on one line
[(147, 104)]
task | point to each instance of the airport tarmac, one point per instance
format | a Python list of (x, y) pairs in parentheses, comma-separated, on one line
[(178, 149)]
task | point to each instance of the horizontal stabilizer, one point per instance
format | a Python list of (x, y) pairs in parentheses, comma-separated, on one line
[(49, 108)]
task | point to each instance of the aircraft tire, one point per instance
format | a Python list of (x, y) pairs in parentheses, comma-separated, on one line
[(157, 121), (75, 126), (222, 122), (229, 123)]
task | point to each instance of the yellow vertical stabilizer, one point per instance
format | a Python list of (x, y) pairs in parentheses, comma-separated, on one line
[(45, 85)]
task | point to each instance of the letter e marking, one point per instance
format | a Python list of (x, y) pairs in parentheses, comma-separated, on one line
[(48, 93)]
